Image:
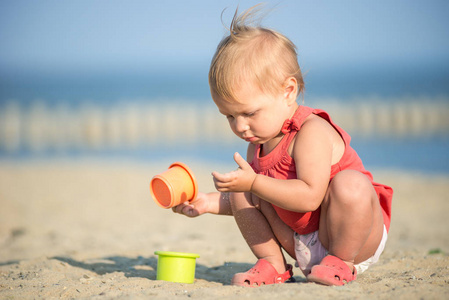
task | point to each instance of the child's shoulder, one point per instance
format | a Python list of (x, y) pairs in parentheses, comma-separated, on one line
[(250, 152), (315, 131), (315, 123)]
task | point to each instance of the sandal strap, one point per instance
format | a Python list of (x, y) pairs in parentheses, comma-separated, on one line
[(262, 273), (285, 276), (335, 262)]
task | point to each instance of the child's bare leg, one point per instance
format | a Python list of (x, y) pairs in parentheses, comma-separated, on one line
[(262, 229), (351, 223)]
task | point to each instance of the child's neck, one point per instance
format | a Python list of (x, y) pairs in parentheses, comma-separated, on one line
[(269, 146)]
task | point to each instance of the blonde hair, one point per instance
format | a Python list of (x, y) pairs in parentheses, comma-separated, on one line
[(252, 54)]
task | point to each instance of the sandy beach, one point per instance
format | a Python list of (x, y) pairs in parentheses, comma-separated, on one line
[(88, 230)]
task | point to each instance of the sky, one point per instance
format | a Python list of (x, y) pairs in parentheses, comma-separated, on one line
[(109, 34)]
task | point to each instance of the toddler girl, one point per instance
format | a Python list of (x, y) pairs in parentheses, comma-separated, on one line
[(302, 187)]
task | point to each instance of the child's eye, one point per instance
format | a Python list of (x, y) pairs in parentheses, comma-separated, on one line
[(229, 117), (250, 114)]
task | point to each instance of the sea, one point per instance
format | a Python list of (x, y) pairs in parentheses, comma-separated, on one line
[(187, 91)]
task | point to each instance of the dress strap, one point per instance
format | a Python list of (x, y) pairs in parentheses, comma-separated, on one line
[(293, 125)]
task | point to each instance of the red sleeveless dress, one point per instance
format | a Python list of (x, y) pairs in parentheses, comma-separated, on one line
[(279, 164)]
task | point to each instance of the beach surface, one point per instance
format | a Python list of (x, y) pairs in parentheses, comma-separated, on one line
[(89, 229)]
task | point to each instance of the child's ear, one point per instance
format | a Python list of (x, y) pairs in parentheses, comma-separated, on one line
[(290, 90)]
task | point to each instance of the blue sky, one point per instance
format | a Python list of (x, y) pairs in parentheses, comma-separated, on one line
[(71, 35)]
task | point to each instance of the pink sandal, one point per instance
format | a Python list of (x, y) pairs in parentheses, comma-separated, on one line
[(332, 271), (261, 273)]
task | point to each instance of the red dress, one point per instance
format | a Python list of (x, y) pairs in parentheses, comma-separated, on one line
[(279, 164)]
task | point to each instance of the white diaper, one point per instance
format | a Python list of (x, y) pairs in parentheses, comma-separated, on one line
[(309, 252)]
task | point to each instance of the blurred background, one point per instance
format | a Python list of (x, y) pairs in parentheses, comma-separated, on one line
[(127, 80)]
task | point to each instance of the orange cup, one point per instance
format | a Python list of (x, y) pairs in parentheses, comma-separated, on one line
[(174, 186)]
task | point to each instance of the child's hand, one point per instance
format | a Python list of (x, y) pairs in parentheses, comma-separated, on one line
[(240, 180), (195, 208)]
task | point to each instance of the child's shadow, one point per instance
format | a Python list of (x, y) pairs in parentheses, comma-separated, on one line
[(146, 268), (131, 267)]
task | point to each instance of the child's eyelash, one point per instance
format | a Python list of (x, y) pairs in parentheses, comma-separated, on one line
[(250, 114)]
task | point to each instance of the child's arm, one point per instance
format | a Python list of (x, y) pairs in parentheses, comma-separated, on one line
[(313, 156), (214, 203)]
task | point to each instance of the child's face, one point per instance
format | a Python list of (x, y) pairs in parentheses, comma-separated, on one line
[(256, 117)]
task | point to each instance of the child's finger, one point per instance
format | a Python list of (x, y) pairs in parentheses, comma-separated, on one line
[(179, 208), (240, 160), (190, 211), (220, 183), (222, 187), (221, 177), (215, 174)]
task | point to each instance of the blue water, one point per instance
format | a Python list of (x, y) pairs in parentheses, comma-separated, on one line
[(106, 88), (416, 155), (341, 81)]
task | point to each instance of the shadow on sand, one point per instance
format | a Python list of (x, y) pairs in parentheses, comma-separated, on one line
[(146, 268)]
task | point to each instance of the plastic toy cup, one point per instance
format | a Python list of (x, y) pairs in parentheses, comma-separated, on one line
[(174, 186), (176, 266)]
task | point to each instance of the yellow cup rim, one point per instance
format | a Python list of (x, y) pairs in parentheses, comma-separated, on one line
[(177, 254)]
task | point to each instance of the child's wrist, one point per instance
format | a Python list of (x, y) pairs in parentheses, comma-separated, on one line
[(209, 207), (252, 183)]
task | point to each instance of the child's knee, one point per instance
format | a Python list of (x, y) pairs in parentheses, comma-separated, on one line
[(350, 187), (244, 200)]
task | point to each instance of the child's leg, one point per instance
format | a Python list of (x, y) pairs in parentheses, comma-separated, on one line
[(351, 222), (262, 229)]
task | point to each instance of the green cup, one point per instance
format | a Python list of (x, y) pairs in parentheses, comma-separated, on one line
[(176, 266)]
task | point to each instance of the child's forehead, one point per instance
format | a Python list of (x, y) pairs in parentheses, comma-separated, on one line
[(241, 105), (236, 108), (225, 103), (247, 92)]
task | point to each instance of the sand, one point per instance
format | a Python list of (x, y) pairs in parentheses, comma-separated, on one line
[(89, 229)]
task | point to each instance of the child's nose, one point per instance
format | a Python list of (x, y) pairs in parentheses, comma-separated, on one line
[(241, 125)]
